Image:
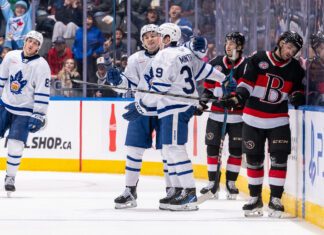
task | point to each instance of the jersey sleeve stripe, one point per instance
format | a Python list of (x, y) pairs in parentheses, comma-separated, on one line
[(210, 72), (40, 102), (3, 79), (155, 89), (200, 71), (42, 94)]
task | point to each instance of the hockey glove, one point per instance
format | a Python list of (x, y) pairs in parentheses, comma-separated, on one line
[(232, 101), (297, 98), (229, 85), (114, 77), (199, 110), (134, 111), (36, 122), (199, 44)]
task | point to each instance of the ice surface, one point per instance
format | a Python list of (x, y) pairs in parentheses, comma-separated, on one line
[(79, 203)]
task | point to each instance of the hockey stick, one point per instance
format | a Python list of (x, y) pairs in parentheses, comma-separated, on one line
[(144, 91), (213, 190)]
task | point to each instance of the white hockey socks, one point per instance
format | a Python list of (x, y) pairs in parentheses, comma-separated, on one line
[(133, 165), (15, 150)]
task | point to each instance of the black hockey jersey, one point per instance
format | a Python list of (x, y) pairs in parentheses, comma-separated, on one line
[(223, 64), (269, 83)]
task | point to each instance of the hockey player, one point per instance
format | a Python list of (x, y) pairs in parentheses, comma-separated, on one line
[(138, 74), (270, 78), (139, 132), (231, 64), (176, 71), (24, 89)]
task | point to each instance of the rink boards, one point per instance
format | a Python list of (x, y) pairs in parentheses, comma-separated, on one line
[(88, 136)]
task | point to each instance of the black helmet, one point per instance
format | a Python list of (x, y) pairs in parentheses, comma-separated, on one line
[(292, 37), (237, 37), (316, 39)]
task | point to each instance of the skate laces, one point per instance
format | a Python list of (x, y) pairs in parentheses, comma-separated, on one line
[(10, 180), (231, 184), (127, 193), (252, 200), (170, 192), (276, 201), (210, 185)]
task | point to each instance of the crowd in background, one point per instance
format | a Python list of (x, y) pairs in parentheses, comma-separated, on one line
[(61, 22)]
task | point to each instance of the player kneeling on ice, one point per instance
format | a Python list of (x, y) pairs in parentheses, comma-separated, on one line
[(175, 70), (24, 91), (271, 78)]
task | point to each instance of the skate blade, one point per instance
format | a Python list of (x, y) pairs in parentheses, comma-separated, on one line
[(9, 194), (275, 214), (207, 196), (187, 207), (164, 206), (126, 205), (258, 212), (231, 196)]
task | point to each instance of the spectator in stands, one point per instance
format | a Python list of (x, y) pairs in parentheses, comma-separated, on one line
[(66, 75), (207, 18), (98, 7), (68, 19), (186, 6), (120, 47), (54, 5), (57, 55), (95, 41), (3, 53), (19, 23), (101, 76), (123, 63), (175, 13), (152, 16)]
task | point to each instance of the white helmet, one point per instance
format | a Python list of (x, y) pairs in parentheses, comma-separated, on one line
[(35, 35), (148, 28), (170, 29)]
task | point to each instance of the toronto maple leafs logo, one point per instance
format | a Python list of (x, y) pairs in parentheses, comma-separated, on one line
[(17, 83), (148, 78)]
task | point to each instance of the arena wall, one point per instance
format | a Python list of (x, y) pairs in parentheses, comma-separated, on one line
[(88, 136)]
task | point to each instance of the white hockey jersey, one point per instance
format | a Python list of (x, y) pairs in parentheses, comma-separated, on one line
[(24, 83), (176, 71), (137, 73)]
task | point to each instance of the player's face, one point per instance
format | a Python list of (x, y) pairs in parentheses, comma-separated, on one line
[(31, 47), (288, 50), (151, 41), (229, 47)]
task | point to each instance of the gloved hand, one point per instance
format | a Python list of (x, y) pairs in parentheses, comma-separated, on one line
[(297, 98), (231, 101), (199, 110), (134, 111), (229, 85), (114, 77), (199, 43), (36, 122)]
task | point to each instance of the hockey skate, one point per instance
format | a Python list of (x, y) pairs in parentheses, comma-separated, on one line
[(10, 185), (211, 188), (231, 190), (276, 209), (127, 199), (171, 194), (253, 208), (187, 201)]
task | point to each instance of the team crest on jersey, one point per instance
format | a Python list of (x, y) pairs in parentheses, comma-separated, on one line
[(148, 78), (17, 83), (263, 65), (219, 68)]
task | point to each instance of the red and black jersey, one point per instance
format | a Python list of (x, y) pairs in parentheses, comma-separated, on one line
[(269, 83), (224, 65)]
